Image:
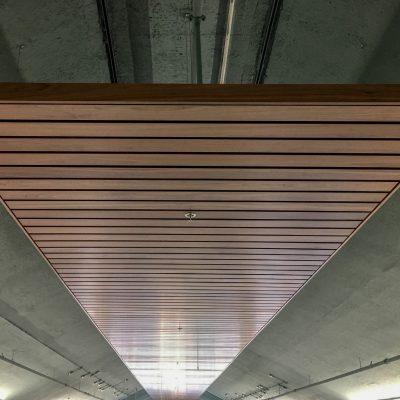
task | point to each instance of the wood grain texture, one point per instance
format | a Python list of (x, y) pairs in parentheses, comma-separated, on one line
[(195, 185), (118, 173), (200, 223), (192, 196), (198, 130), (222, 216), (185, 206), (212, 146), (102, 178), (336, 113), (56, 93)]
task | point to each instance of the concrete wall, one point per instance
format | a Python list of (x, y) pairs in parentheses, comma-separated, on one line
[(43, 327), (347, 316)]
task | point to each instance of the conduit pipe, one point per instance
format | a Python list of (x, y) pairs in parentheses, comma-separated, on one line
[(196, 57), (386, 361), (227, 41), (33, 371)]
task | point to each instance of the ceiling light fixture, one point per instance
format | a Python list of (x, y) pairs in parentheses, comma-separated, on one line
[(190, 215)]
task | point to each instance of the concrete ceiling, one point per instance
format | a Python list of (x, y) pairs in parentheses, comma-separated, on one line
[(51, 41), (45, 334), (345, 318), (341, 41)]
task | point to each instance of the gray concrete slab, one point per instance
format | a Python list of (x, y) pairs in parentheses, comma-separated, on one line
[(44, 328), (152, 40), (348, 315), (341, 41), (51, 41)]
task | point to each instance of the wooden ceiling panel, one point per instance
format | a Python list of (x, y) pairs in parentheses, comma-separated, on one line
[(184, 218)]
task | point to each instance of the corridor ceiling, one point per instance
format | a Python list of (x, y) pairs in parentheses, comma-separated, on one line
[(184, 218)]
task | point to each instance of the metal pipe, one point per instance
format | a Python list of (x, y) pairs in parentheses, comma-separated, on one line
[(33, 371), (197, 8), (227, 41), (78, 367), (386, 361), (197, 68), (108, 42), (268, 39), (196, 57)]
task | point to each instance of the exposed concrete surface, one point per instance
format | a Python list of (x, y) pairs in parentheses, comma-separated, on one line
[(130, 27), (34, 299), (340, 41), (152, 39), (333, 41), (51, 41), (248, 26), (348, 315)]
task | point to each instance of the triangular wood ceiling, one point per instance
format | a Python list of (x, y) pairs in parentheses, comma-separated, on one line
[(183, 218)]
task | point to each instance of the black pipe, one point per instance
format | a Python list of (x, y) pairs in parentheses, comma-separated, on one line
[(268, 40), (107, 38)]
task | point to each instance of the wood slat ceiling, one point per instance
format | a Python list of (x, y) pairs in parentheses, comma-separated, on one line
[(278, 179)]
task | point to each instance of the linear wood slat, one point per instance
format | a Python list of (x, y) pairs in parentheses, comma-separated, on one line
[(219, 146), (177, 263), (203, 160), (95, 94), (206, 268), (194, 284), (187, 296), (200, 223), (187, 237), (285, 270), (191, 196), (218, 303), (181, 252), (201, 112), (199, 305), (102, 177), (192, 205), (195, 185), (202, 306), (189, 230), (185, 244), (257, 279), (182, 287), (336, 173), (212, 130), (206, 214), (176, 257)]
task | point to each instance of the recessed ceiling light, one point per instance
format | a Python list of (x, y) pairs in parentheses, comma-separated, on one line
[(190, 215)]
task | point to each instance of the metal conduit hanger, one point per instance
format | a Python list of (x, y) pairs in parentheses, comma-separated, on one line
[(196, 17)]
